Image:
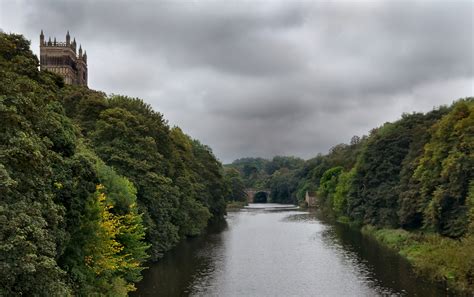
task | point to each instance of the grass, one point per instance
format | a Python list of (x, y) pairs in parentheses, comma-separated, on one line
[(435, 257)]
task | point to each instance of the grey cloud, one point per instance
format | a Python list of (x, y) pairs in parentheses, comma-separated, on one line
[(229, 37), (269, 77)]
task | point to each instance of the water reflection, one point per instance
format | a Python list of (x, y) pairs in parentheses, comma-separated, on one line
[(189, 261), (270, 207), (281, 253), (384, 267)]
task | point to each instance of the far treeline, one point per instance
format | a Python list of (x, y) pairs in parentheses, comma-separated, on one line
[(91, 186), (410, 182)]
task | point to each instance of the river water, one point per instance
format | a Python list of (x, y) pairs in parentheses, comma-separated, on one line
[(277, 250)]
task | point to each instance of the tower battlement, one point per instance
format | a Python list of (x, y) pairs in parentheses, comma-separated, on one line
[(64, 59)]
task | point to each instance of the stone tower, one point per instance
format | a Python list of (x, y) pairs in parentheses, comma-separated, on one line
[(63, 59)]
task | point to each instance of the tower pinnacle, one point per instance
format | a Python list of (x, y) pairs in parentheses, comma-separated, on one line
[(42, 37), (68, 38)]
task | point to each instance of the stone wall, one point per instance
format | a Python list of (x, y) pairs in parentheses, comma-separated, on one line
[(310, 200)]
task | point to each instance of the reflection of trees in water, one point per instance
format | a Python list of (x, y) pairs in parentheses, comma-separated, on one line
[(193, 258), (384, 267), (299, 217)]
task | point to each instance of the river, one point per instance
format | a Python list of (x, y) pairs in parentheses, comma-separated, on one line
[(269, 251)]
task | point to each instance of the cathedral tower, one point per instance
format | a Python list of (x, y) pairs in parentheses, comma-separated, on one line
[(61, 58)]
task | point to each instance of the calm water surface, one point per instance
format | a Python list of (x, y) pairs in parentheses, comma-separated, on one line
[(276, 250)]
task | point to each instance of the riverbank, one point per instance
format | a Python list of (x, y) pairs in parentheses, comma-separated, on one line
[(235, 205), (435, 257)]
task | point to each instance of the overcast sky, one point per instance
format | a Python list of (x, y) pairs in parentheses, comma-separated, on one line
[(265, 78)]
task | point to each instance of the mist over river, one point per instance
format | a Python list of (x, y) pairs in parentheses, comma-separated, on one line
[(278, 250)]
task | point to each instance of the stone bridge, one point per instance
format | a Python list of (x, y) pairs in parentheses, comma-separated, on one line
[(252, 194)]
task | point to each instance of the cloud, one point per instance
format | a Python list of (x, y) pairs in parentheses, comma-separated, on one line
[(268, 77)]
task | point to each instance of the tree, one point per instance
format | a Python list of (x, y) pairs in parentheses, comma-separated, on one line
[(192, 215), (35, 138), (374, 197), (339, 201), (328, 183), (447, 169), (411, 208), (236, 185), (135, 140), (283, 185)]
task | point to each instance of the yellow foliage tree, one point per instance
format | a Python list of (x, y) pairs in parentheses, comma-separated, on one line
[(103, 252)]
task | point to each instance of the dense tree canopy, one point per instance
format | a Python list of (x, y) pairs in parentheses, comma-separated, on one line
[(236, 184), (277, 174), (446, 171), (91, 186), (35, 139), (180, 184), (375, 193)]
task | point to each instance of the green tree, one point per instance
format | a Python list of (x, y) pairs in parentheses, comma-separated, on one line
[(339, 202), (134, 139), (212, 188), (121, 197), (192, 216), (236, 185), (35, 138), (328, 183), (411, 208), (374, 197), (447, 169), (112, 248), (283, 185)]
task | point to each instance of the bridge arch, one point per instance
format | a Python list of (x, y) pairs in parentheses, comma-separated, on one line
[(258, 195)]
